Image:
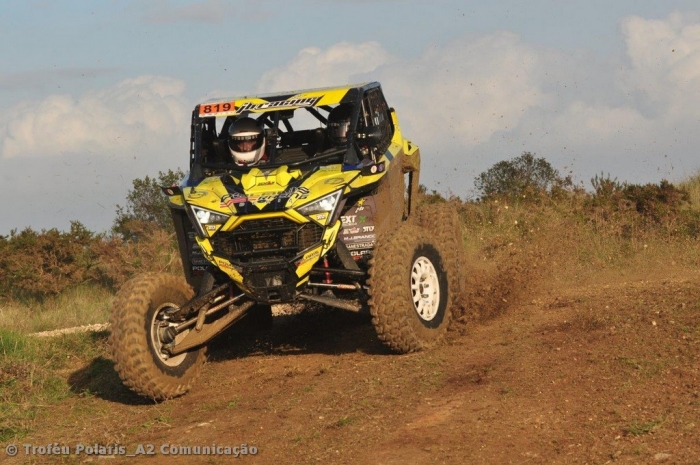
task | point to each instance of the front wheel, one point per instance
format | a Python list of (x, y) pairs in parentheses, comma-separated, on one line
[(139, 330), (410, 295)]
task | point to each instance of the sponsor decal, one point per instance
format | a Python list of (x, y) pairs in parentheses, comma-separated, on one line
[(224, 265), (357, 254), (351, 231), (373, 169), (320, 216), (362, 237), (367, 228), (292, 102), (334, 181), (196, 195), (362, 219), (360, 245), (230, 199), (309, 257), (199, 268), (297, 193), (348, 220)]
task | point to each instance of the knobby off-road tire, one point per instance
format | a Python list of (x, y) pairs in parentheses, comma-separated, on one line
[(134, 340), (410, 295), (442, 220)]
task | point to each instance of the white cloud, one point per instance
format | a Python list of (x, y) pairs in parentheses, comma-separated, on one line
[(128, 116), (466, 90), (480, 99), (74, 157), (314, 67), (664, 60)]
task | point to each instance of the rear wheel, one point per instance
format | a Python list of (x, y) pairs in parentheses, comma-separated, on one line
[(410, 295), (140, 328), (443, 219)]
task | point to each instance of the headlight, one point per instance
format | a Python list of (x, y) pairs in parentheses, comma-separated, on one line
[(326, 203), (205, 217), (209, 217)]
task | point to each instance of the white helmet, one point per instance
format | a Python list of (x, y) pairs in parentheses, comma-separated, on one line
[(246, 141)]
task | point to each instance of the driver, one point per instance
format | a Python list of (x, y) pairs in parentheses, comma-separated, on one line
[(246, 141), (339, 124)]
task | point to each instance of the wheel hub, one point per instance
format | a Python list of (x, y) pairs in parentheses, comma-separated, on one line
[(425, 288), (163, 333)]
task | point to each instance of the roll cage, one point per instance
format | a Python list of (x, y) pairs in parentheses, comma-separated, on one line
[(296, 135)]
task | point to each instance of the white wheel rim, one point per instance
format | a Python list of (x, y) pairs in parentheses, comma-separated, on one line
[(156, 326), (425, 288)]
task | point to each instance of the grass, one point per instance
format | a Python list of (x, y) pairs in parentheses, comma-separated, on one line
[(583, 233), (692, 185), (640, 428), (31, 375), (344, 421), (78, 306)]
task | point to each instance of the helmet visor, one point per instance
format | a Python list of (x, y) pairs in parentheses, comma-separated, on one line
[(245, 142)]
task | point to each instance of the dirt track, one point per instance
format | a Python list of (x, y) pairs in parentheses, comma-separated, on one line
[(599, 371)]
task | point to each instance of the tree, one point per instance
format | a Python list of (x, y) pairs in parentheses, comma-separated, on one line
[(146, 206), (519, 176)]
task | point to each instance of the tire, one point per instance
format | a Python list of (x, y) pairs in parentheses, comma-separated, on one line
[(135, 343), (443, 219), (403, 262)]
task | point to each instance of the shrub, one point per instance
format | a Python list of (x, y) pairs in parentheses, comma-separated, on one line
[(643, 207), (521, 176), (146, 206), (47, 262), (117, 260)]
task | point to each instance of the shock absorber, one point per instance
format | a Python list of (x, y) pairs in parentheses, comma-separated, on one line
[(328, 274)]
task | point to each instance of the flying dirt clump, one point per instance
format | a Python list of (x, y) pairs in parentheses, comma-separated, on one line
[(499, 270)]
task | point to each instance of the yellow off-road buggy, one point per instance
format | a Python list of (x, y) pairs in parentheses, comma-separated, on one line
[(326, 215)]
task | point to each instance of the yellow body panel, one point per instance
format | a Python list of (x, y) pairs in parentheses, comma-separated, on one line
[(262, 103), (266, 195)]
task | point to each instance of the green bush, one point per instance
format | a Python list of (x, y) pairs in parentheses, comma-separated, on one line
[(521, 176), (45, 262), (146, 206), (647, 207)]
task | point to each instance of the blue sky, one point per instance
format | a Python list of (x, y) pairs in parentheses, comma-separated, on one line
[(96, 93)]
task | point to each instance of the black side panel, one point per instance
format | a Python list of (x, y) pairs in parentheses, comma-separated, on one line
[(193, 262)]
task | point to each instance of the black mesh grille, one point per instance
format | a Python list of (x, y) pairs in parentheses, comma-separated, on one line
[(268, 238)]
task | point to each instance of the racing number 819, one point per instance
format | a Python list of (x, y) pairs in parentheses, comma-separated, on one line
[(217, 107)]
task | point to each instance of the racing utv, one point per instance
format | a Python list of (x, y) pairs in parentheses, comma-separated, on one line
[(323, 211)]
